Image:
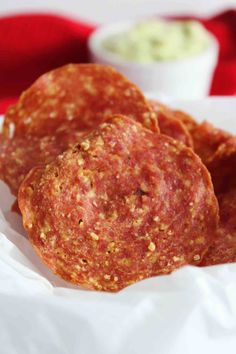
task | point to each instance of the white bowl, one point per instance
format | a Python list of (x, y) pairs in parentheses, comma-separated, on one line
[(188, 78)]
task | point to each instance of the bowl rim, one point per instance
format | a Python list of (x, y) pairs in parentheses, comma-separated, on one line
[(104, 31)]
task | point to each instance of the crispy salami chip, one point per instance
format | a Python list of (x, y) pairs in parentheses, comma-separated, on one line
[(223, 250), (122, 205), (19, 155), (160, 107), (222, 166), (57, 107), (79, 96), (207, 139), (189, 123), (169, 125)]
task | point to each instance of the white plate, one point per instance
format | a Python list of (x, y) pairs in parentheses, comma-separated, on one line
[(191, 311)]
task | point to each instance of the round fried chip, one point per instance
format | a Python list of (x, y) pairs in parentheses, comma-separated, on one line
[(222, 166), (207, 139), (169, 125), (122, 205), (188, 121), (223, 249), (79, 96), (19, 155), (58, 106)]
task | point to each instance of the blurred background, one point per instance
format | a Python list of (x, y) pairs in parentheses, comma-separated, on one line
[(105, 11), (37, 36)]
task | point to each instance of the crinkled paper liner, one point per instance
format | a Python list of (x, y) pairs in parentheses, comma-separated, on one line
[(190, 311)]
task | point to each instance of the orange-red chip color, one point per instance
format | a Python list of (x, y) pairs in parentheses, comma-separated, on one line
[(79, 96), (61, 105), (188, 121), (222, 166), (122, 205), (19, 155), (223, 249), (169, 125), (207, 139)]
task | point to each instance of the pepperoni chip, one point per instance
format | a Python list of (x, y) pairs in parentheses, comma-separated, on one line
[(222, 166), (160, 107), (79, 96), (223, 250), (19, 155), (189, 123), (169, 125), (207, 139), (122, 205), (73, 98)]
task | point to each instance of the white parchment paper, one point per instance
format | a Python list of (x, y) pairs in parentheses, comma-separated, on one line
[(190, 311)]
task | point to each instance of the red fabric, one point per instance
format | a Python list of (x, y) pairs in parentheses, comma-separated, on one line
[(33, 44), (223, 27)]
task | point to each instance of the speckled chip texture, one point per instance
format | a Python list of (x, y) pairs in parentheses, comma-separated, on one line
[(223, 250), (64, 102), (60, 106), (122, 205), (19, 155), (83, 95), (188, 121), (169, 125), (222, 166), (207, 139)]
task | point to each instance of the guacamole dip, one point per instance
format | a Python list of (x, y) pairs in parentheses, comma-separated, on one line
[(159, 40)]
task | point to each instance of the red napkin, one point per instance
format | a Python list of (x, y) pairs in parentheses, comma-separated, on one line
[(223, 27), (33, 44)]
